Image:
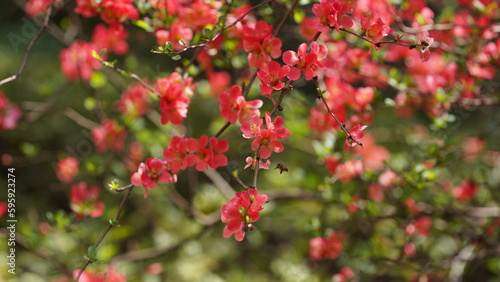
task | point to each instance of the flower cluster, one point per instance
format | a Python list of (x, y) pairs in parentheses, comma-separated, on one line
[(151, 172), (9, 113), (133, 102), (84, 201), (331, 14), (111, 11), (261, 46), (174, 93), (233, 106), (320, 247), (180, 154), (240, 212), (67, 169), (266, 139), (308, 59), (110, 135)]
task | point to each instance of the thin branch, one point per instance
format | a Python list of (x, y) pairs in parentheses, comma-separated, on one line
[(79, 119), (349, 136), (28, 49), (205, 44), (110, 226)]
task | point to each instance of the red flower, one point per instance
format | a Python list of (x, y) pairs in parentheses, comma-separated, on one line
[(266, 143), (375, 30), (174, 100), (133, 102), (234, 107), (109, 135), (306, 62), (178, 153), (465, 191), (150, 173), (86, 8), (218, 147), (345, 274), (271, 77), (111, 39), (77, 61), (3, 208), (67, 169), (320, 248), (83, 201), (357, 134), (421, 225), (118, 11), (331, 14), (240, 212)]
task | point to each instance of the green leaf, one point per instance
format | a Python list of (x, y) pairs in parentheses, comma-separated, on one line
[(92, 254), (144, 25), (176, 57), (97, 80)]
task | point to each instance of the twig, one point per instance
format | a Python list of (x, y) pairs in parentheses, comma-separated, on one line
[(205, 44), (28, 49), (349, 136), (115, 219)]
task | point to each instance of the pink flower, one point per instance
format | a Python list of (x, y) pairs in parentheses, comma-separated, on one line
[(83, 201), (421, 225), (387, 178), (67, 169), (110, 135), (410, 249), (356, 135), (345, 274), (375, 30), (178, 34), (252, 127), (234, 107), (252, 163), (271, 78), (9, 113), (240, 212), (424, 45), (349, 169), (150, 173)]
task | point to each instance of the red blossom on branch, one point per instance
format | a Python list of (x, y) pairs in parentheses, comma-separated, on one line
[(233, 106), (240, 212), (83, 201), (110, 135), (320, 247), (307, 62), (150, 173), (67, 169)]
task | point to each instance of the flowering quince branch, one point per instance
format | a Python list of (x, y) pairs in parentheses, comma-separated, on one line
[(30, 45), (168, 50), (112, 65), (112, 223), (350, 140)]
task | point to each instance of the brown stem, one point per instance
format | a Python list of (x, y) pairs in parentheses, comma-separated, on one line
[(28, 49), (115, 219)]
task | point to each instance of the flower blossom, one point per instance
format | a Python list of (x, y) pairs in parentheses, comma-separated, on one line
[(271, 77), (233, 106), (240, 212), (67, 169), (83, 201), (150, 173), (307, 61), (320, 247)]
